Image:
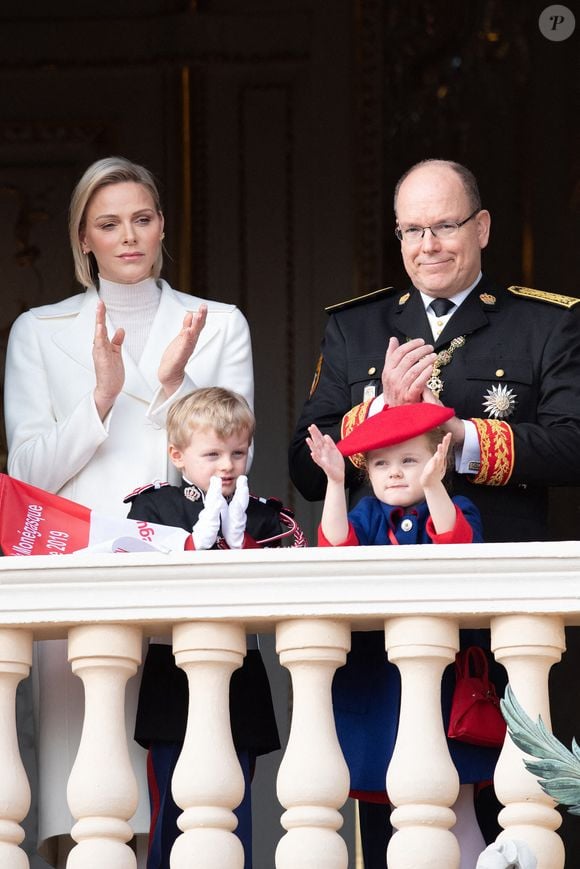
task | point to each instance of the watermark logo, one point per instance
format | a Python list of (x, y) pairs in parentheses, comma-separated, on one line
[(557, 23)]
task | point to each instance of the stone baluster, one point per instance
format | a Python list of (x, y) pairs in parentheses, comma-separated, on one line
[(102, 789), (527, 646), (208, 782), (313, 779), (15, 661), (422, 781)]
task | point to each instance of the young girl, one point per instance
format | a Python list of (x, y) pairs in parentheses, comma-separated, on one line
[(405, 456)]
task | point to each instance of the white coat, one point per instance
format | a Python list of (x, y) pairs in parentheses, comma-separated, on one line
[(57, 441)]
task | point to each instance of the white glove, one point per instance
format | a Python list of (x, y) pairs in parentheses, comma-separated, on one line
[(507, 854), (206, 529), (234, 520)]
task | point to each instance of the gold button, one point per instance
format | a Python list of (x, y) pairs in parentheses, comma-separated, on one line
[(500, 372), (372, 370)]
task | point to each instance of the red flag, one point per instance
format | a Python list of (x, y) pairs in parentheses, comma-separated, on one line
[(36, 522)]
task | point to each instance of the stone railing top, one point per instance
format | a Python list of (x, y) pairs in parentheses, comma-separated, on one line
[(364, 584)]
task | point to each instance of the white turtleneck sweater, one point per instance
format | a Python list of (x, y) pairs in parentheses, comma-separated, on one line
[(131, 307)]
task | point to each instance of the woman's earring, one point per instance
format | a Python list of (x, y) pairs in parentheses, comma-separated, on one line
[(162, 236)]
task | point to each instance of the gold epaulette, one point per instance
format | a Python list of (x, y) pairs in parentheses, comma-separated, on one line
[(368, 297), (541, 296)]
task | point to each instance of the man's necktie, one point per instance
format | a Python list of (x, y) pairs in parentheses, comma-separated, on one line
[(440, 307)]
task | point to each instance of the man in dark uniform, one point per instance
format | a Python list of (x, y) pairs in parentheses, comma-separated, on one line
[(507, 360)]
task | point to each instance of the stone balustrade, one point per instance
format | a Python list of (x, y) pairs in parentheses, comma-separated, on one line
[(311, 599)]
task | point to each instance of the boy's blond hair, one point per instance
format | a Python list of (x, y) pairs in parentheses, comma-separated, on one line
[(222, 410)]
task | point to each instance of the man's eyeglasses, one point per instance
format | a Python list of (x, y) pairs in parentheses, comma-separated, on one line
[(439, 230)]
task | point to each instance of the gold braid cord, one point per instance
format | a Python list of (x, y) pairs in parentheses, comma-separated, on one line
[(496, 444), (350, 420)]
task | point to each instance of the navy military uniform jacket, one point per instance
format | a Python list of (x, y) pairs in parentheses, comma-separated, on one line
[(528, 345), (163, 695)]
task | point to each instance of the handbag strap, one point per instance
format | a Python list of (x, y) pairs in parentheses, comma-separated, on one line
[(472, 662)]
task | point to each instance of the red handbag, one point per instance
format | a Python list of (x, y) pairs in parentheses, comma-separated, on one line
[(475, 713)]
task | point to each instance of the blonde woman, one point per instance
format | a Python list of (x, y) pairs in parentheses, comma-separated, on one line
[(88, 384)]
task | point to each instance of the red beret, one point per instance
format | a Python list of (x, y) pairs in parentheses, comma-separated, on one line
[(393, 425)]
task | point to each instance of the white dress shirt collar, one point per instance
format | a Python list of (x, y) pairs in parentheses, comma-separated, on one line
[(438, 323)]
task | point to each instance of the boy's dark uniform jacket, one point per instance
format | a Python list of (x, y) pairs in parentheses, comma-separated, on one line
[(522, 346), (163, 696)]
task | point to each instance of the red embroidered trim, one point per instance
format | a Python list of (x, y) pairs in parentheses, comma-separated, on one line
[(350, 420), (496, 445)]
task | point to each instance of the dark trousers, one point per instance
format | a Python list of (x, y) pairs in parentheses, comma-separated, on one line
[(375, 826), (375, 832), (161, 761)]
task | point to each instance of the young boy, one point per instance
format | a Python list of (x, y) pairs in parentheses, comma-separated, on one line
[(209, 435), (404, 453)]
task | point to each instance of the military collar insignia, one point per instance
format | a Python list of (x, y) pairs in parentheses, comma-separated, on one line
[(488, 299), (193, 493), (404, 298), (499, 402)]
